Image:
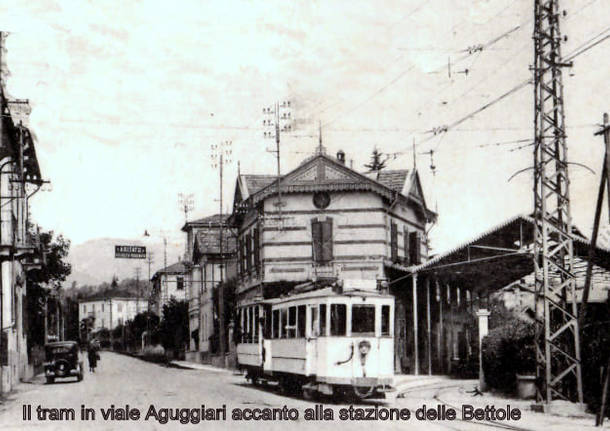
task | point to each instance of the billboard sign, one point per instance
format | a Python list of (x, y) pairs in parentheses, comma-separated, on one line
[(129, 252)]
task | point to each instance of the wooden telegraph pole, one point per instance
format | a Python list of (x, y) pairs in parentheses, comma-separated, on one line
[(603, 184), (221, 154)]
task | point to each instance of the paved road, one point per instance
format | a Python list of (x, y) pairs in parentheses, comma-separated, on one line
[(122, 381)]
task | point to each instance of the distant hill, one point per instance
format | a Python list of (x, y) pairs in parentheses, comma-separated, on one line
[(93, 261)]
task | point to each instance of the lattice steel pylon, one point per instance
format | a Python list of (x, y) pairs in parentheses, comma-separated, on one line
[(557, 334)]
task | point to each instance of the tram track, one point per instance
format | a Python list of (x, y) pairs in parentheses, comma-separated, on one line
[(437, 396)]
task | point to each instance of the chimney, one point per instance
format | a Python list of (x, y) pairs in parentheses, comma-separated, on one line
[(341, 157)]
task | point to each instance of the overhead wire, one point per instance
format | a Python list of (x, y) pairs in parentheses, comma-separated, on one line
[(587, 46), (410, 68)]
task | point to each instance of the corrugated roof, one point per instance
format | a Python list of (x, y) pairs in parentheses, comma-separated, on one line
[(578, 238)]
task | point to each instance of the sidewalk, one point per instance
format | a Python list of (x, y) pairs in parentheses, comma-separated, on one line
[(402, 382), (456, 393), (187, 365)]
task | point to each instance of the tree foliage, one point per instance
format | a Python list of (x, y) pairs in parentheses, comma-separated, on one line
[(378, 162), (508, 350), (174, 327), (55, 268)]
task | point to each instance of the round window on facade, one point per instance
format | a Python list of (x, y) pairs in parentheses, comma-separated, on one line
[(321, 200)]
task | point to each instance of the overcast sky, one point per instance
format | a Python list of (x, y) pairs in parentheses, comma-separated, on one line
[(128, 97)]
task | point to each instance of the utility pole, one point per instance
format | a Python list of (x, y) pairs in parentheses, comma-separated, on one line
[(221, 154), (603, 184), (137, 272), (149, 260), (2, 104), (165, 293), (558, 362), (187, 203), (279, 120)]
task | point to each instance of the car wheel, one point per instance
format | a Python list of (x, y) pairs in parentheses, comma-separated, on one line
[(50, 380)]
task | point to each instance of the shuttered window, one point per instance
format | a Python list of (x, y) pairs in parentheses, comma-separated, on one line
[(322, 240), (407, 258), (415, 247), (256, 250), (393, 242), (240, 257), (248, 252)]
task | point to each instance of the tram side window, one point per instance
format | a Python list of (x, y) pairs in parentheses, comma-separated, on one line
[(276, 324), (266, 316), (242, 317), (291, 327), (248, 325), (337, 319), (323, 320), (284, 320), (238, 327), (256, 322), (363, 319), (301, 321), (385, 320), (315, 321)]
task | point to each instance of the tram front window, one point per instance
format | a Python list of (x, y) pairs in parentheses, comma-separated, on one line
[(385, 320), (363, 319), (276, 324), (337, 319)]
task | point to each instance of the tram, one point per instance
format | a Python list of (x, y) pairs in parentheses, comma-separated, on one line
[(334, 340)]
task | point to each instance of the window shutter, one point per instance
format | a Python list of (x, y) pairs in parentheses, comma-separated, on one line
[(316, 238), (417, 253), (393, 242), (415, 247), (249, 252), (327, 240), (257, 250), (240, 253), (407, 260)]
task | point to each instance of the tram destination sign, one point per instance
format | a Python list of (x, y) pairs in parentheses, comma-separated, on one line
[(129, 252)]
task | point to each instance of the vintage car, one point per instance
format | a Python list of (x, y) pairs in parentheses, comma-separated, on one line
[(62, 360)]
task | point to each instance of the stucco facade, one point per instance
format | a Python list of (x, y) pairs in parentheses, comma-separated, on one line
[(331, 222), (170, 282), (206, 267), (110, 312), (19, 251)]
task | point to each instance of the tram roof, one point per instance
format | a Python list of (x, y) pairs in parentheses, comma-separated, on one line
[(317, 293)]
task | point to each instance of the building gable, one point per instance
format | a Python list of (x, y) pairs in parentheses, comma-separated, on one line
[(321, 170), (413, 189)]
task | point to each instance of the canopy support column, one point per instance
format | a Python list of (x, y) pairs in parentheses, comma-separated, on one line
[(415, 328), (483, 315), (429, 327)]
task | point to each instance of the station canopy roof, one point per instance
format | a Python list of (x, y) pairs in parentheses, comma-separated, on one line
[(497, 257)]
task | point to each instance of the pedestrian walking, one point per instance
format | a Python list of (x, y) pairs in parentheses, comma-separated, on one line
[(92, 356)]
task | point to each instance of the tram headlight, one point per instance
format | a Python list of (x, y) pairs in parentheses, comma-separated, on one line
[(364, 348)]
